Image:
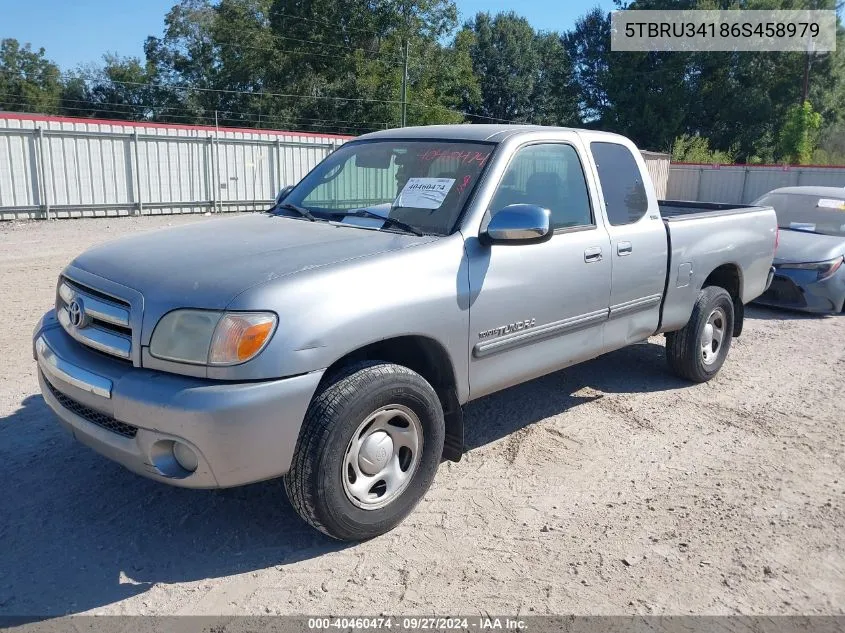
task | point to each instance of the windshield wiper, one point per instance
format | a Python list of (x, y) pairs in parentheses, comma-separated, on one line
[(799, 230), (300, 210), (388, 221)]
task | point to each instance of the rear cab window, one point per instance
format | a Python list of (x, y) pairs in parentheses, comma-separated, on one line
[(621, 183)]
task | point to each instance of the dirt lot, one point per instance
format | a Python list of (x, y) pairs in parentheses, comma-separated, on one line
[(609, 488)]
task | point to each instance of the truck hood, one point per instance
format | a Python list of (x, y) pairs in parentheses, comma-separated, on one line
[(795, 247), (206, 265)]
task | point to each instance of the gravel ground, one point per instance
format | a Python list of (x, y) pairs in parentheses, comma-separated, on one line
[(609, 488)]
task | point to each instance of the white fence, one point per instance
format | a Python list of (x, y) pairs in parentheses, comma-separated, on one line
[(64, 167), (742, 184), (658, 168)]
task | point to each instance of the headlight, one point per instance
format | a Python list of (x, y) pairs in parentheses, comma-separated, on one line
[(201, 337), (823, 269)]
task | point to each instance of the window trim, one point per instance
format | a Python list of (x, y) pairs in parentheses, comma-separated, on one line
[(485, 220), (601, 186)]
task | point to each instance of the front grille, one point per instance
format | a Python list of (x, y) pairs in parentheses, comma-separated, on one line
[(95, 319), (783, 290), (92, 415)]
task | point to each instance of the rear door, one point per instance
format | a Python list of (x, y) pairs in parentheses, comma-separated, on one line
[(638, 243)]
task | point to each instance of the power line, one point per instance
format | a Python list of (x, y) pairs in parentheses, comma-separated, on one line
[(232, 116), (290, 52), (228, 28), (282, 95), (89, 78), (326, 22), (323, 44)]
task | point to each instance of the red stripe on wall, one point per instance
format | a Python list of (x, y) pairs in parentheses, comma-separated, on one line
[(718, 165), (17, 116)]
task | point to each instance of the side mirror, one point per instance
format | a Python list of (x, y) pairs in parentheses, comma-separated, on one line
[(518, 224), (284, 193)]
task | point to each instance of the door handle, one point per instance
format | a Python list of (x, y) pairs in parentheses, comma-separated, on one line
[(592, 254), (624, 248)]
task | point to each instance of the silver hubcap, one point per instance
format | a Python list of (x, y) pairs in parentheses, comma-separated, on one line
[(382, 457), (713, 335)]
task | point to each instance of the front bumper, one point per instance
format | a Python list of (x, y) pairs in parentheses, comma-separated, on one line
[(800, 290), (240, 432)]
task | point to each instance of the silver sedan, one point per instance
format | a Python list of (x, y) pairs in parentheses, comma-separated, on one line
[(810, 275)]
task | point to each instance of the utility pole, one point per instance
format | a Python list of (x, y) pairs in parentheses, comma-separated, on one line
[(405, 84), (805, 93), (808, 60)]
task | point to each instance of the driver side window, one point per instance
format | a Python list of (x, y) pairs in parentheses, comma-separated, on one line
[(548, 176)]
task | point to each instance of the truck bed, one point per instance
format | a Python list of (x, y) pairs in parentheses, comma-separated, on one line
[(705, 235), (675, 210)]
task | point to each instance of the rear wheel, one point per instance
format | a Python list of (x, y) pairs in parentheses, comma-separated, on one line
[(698, 350), (367, 452)]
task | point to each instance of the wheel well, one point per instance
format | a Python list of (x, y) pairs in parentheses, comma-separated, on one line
[(729, 277), (430, 360)]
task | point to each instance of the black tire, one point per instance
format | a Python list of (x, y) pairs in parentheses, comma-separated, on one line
[(314, 483), (684, 349)]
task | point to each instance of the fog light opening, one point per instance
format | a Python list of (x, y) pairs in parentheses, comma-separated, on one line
[(185, 457)]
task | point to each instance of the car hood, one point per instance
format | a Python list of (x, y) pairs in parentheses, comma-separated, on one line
[(800, 246), (206, 265)]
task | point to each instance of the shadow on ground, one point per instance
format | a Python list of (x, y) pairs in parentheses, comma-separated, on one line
[(765, 313), (79, 532), (636, 369)]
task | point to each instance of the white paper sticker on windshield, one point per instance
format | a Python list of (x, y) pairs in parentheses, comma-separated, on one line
[(424, 193), (802, 226), (830, 203)]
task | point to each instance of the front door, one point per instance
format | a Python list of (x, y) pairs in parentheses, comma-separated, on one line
[(536, 308)]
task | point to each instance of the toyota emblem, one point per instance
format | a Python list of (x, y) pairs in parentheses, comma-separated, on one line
[(76, 313)]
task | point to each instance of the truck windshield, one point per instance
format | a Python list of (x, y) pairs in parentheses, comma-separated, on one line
[(424, 184), (809, 213)]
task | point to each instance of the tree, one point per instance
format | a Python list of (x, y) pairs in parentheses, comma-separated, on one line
[(732, 99), (831, 150), (555, 97), (523, 75), (29, 82), (588, 46), (326, 65), (688, 148), (123, 88), (800, 133)]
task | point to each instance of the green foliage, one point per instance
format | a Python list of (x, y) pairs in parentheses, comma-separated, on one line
[(28, 81), (731, 99), (337, 66), (523, 75), (696, 149), (831, 149), (800, 133), (279, 65)]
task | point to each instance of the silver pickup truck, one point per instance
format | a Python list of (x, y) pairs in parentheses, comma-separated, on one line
[(334, 339)]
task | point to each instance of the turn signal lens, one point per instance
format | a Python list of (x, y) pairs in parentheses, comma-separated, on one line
[(240, 336), (830, 269)]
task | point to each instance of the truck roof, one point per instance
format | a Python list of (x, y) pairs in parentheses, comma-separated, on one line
[(470, 132)]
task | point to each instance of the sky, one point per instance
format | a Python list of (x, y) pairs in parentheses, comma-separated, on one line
[(80, 31)]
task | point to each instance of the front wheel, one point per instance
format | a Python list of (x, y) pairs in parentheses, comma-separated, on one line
[(698, 350), (367, 452)]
